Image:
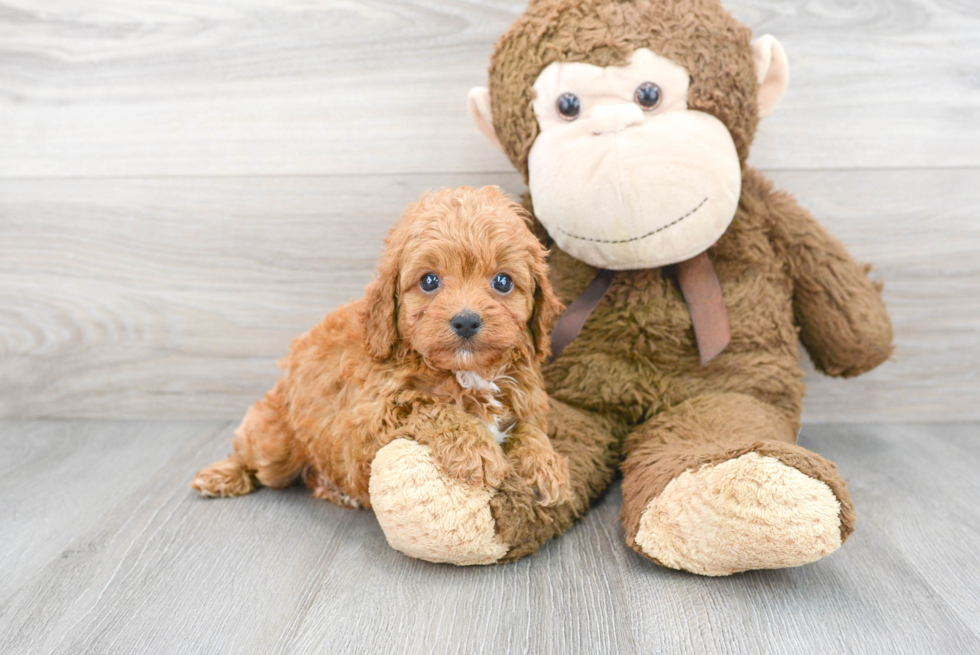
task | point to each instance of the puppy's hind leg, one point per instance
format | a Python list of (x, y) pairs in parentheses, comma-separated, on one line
[(266, 452)]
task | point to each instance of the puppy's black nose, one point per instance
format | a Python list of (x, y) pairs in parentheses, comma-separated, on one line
[(466, 324)]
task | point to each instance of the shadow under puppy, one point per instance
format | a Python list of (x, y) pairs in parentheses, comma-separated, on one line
[(444, 349)]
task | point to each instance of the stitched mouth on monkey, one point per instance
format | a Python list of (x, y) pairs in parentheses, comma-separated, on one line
[(649, 195), (642, 236), (620, 184)]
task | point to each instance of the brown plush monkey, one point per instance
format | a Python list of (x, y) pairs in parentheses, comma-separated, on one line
[(631, 121)]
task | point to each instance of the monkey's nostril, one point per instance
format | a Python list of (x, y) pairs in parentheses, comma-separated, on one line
[(465, 324)]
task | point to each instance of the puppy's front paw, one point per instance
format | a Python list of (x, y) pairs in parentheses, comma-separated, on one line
[(473, 459), (544, 471)]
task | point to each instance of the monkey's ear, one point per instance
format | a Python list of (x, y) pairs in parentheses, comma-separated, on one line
[(479, 108), (772, 69)]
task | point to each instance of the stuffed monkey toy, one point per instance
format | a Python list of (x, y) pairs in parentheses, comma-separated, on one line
[(689, 283)]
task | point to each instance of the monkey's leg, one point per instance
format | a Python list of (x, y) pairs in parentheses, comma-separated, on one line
[(266, 452), (717, 485), (426, 515)]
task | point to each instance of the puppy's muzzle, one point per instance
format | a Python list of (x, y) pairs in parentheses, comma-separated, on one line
[(465, 324)]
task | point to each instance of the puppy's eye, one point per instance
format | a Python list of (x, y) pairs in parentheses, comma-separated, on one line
[(429, 282), (648, 96), (568, 106), (502, 283)]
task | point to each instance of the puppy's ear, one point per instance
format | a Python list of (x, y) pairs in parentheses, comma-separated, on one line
[(547, 308), (381, 311)]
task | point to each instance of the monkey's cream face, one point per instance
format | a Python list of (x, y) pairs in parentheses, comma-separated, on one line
[(623, 175)]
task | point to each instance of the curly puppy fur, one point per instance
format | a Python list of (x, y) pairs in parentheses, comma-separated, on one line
[(390, 365)]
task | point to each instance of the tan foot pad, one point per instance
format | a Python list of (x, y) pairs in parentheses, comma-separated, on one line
[(427, 515), (752, 512)]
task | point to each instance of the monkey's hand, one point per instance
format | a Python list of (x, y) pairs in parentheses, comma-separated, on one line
[(842, 318)]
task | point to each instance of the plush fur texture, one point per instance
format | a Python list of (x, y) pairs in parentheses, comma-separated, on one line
[(783, 277), (450, 524), (631, 385), (388, 366), (750, 512), (697, 34), (636, 363)]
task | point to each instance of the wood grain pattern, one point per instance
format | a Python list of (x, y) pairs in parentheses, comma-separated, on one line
[(120, 556), (186, 186), (261, 87), (175, 297)]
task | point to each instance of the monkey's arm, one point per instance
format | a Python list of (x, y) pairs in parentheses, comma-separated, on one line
[(842, 318)]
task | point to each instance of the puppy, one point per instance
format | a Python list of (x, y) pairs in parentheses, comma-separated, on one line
[(445, 348)]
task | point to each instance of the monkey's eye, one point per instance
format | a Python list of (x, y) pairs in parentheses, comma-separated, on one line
[(429, 282), (502, 283), (648, 96), (568, 106)]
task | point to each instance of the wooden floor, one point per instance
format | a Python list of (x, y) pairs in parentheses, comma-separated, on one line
[(104, 549)]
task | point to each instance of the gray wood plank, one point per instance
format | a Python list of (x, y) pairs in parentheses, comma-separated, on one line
[(938, 538), (174, 297), (72, 474), (152, 567), (253, 87)]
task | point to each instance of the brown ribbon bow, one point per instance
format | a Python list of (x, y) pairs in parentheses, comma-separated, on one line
[(702, 293)]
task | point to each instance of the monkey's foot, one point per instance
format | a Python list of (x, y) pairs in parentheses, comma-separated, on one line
[(750, 512), (427, 515)]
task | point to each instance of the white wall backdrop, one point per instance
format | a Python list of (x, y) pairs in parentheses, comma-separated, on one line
[(185, 185)]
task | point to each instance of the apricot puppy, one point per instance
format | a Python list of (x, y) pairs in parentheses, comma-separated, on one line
[(444, 348)]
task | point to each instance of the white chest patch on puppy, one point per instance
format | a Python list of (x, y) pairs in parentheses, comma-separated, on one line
[(472, 380), (500, 436)]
